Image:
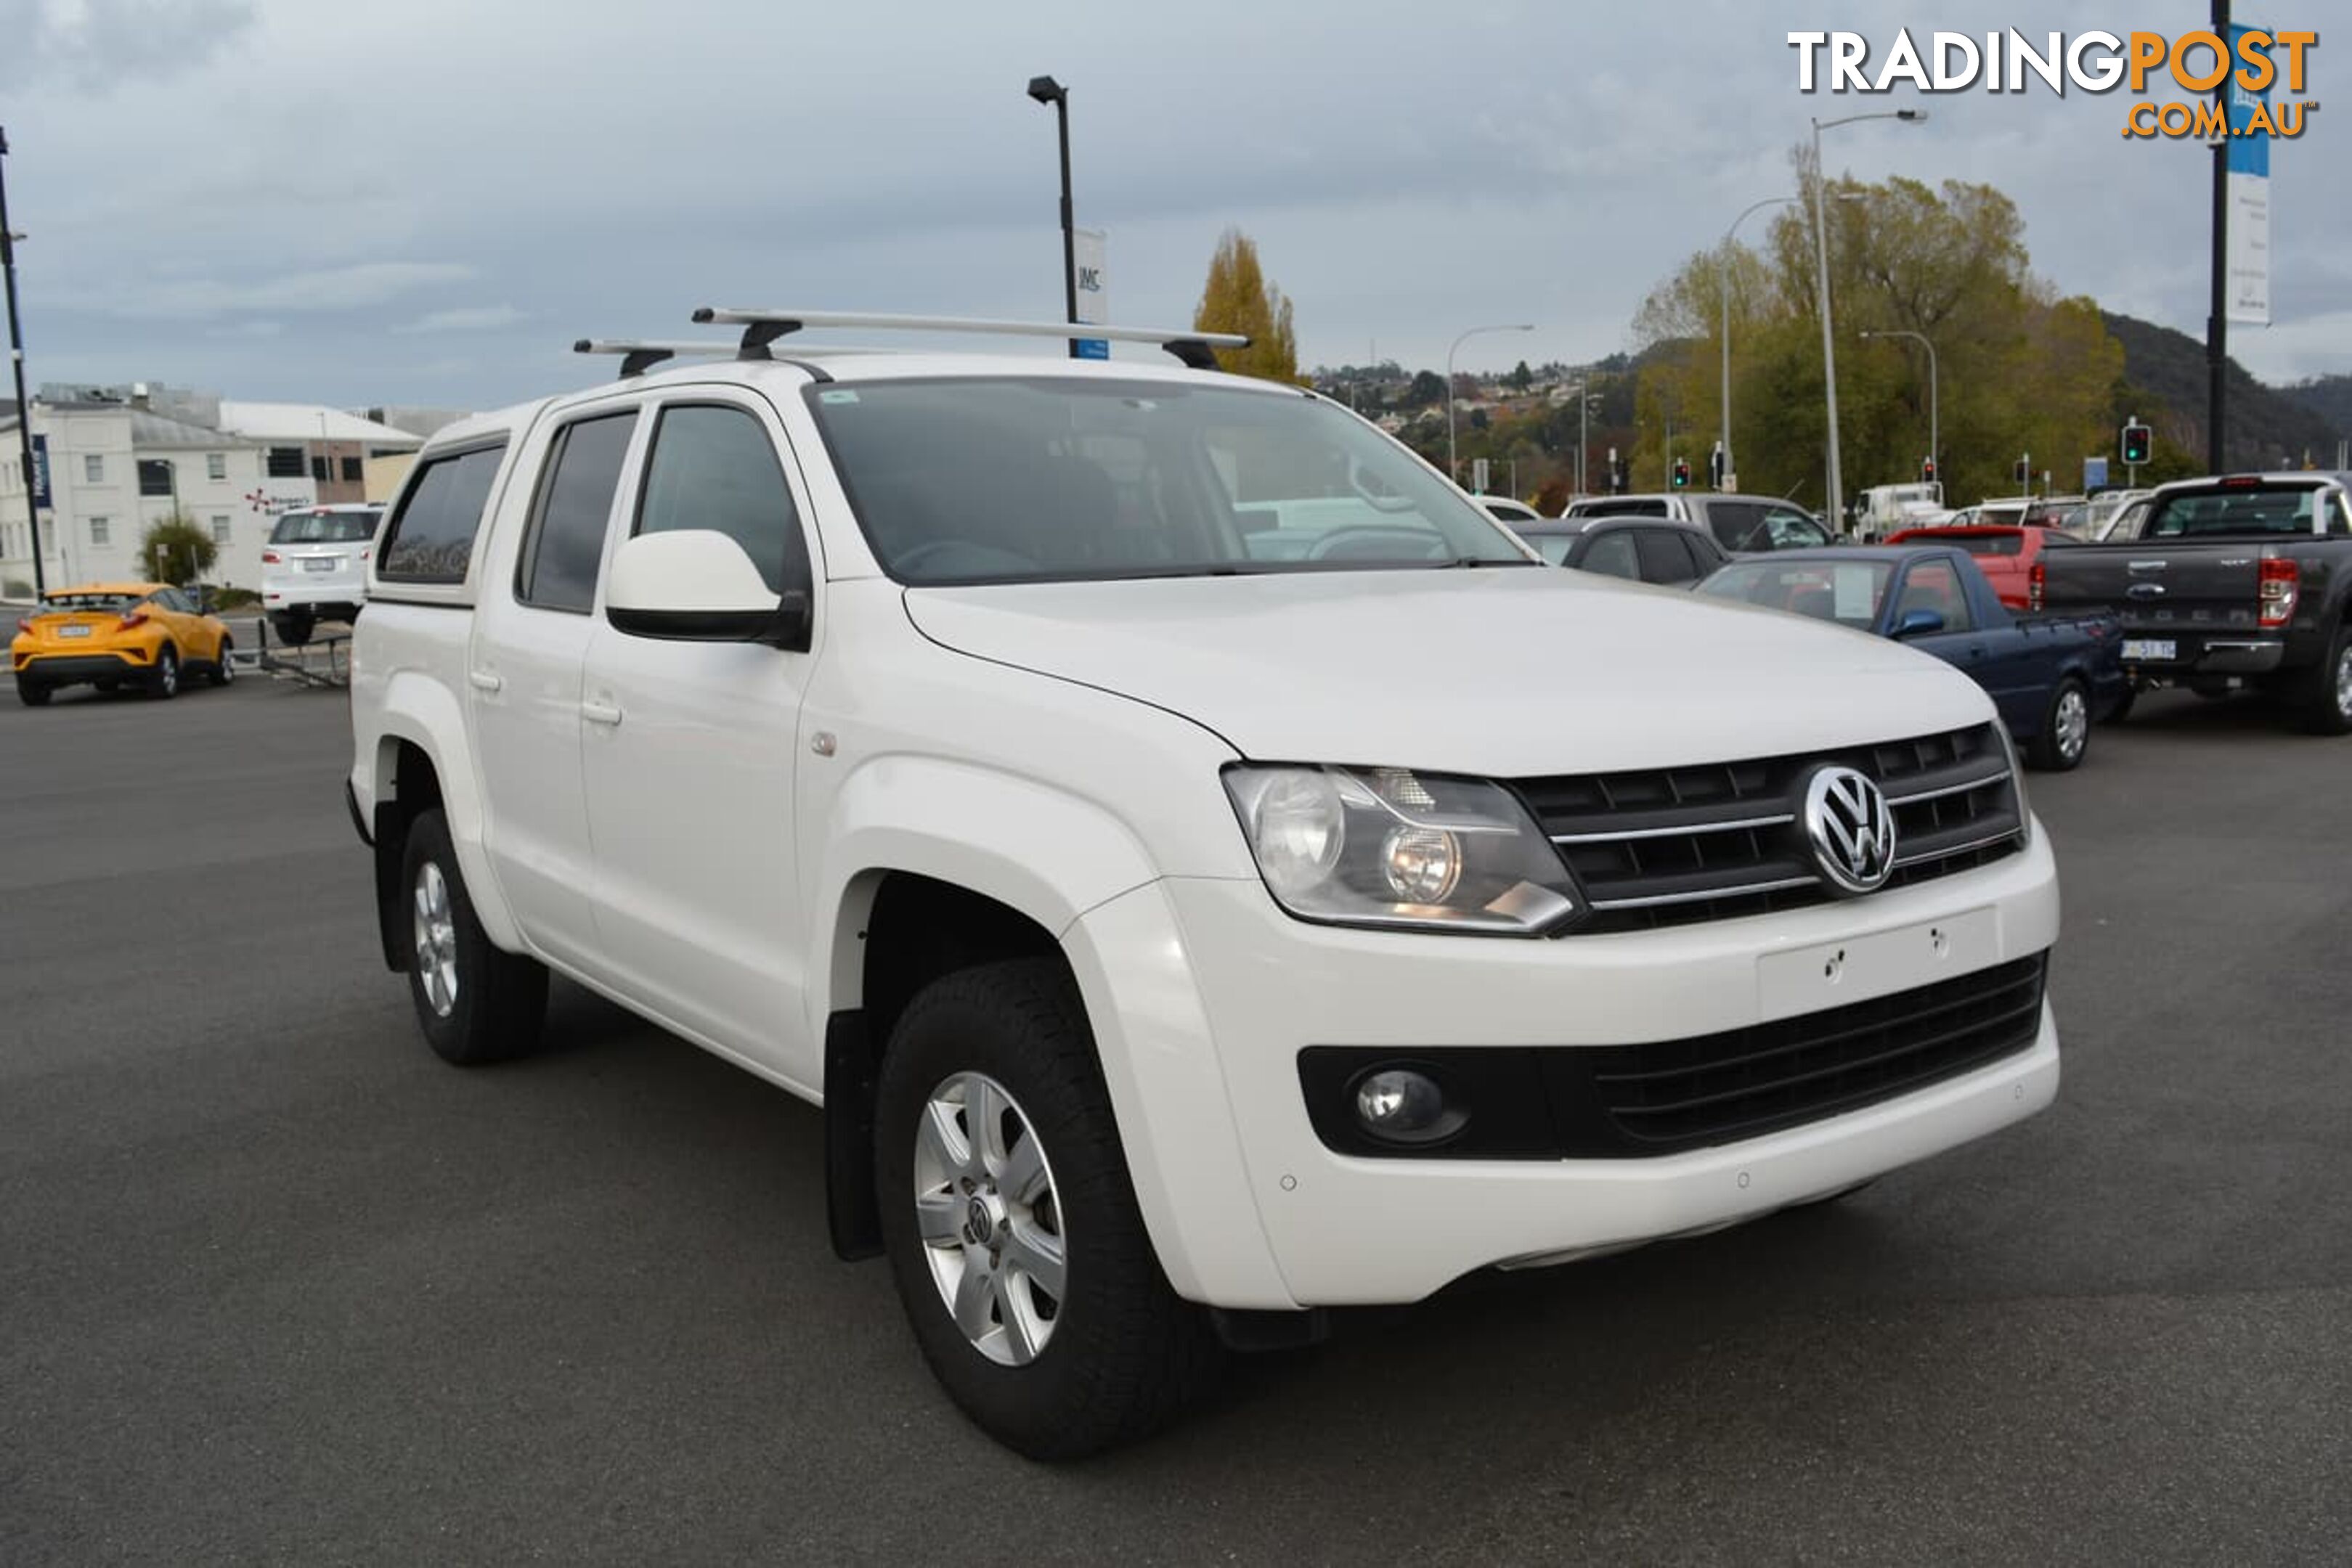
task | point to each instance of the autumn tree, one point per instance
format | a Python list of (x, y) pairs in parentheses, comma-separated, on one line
[(1238, 299)]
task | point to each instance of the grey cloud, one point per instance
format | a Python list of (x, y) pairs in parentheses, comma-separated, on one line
[(100, 44)]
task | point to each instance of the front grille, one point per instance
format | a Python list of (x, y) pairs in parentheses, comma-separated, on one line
[(1620, 1102), (1677, 845), (1717, 1088)]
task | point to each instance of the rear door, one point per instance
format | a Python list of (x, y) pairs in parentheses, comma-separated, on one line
[(531, 627)]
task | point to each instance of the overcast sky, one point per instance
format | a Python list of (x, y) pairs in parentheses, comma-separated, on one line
[(424, 202)]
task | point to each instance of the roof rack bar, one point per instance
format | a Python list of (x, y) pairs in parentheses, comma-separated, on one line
[(762, 328), (640, 355)]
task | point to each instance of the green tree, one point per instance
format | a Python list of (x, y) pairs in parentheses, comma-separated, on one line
[(176, 549), (1238, 299), (1521, 377), (1428, 387)]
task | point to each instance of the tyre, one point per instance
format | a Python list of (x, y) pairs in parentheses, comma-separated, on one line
[(224, 670), (2122, 708), (32, 693), (2065, 734), (2327, 701), (475, 1003), (293, 626), (164, 683), (1011, 1224)]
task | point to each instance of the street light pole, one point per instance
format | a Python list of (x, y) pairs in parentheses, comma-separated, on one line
[(1046, 90), (16, 364), (1935, 445), (1821, 274), (1731, 466), (1454, 464)]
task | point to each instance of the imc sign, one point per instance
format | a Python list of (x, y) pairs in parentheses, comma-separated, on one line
[(1093, 293)]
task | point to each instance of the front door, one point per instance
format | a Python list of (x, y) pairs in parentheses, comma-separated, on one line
[(690, 750)]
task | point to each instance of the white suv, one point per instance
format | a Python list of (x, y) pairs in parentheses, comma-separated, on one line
[(315, 568), (1120, 796)]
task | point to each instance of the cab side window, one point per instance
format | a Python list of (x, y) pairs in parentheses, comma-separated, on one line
[(1665, 557), (714, 466), (565, 544), (1933, 585), (431, 538), (1612, 555)]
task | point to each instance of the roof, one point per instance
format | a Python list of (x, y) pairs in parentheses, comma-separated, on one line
[(1891, 555), (2278, 477), (153, 430), (309, 422)]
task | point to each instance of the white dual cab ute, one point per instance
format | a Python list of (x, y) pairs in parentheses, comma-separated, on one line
[(1120, 796)]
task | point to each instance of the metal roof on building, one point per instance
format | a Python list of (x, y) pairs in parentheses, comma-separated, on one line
[(303, 422)]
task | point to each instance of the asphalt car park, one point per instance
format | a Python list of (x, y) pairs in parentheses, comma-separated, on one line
[(276, 1284)]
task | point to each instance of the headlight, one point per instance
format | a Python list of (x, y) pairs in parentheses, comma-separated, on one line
[(1382, 846), (2017, 786)]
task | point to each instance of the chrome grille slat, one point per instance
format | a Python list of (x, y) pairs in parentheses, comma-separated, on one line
[(1721, 839)]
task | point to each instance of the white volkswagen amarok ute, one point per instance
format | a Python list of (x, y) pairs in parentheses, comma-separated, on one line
[(1206, 870)]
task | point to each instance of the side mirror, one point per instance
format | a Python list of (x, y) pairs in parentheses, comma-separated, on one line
[(1918, 623), (697, 585)]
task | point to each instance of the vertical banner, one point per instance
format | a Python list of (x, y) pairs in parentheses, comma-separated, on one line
[(41, 473), (2249, 165), (1094, 292)]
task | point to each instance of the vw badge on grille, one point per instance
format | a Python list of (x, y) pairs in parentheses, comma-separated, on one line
[(1850, 830)]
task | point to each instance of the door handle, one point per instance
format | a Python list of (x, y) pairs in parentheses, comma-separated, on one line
[(600, 713), (484, 681)]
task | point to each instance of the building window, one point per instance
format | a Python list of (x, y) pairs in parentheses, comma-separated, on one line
[(351, 470), (154, 477), (318, 470), (284, 463), (216, 464), (98, 531), (220, 528), (93, 468)]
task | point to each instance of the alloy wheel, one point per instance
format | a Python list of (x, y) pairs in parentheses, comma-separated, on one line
[(436, 927), (2074, 723), (989, 1218)]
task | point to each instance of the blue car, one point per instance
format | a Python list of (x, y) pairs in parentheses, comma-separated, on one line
[(2050, 676)]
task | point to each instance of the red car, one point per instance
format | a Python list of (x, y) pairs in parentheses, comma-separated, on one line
[(2005, 551)]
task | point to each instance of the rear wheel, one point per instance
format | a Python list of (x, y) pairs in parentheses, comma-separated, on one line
[(293, 626), (2066, 731), (2123, 706), (32, 693), (2328, 700), (223, 668), (165, 681), (475, 1003), (1011, 1223)]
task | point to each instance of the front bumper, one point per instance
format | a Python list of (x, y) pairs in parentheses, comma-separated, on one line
[(1336, 1229), (72, 669)]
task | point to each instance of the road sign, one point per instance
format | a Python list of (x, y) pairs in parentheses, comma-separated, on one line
[(2095, 474), (1478, 475)]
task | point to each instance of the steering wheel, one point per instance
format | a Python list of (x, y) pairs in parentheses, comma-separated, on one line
[(971, 560), (1348, 544)]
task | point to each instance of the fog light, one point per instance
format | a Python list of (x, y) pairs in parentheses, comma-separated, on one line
[(1402, 1106)]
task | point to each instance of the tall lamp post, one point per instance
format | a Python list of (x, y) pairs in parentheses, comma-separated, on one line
[(1935, 446), (1821, 273), (16, 364), (1730, 466), (1046, 90), (1454, 464)]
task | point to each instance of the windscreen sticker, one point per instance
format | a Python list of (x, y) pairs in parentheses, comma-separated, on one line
[(1850, 585), (836, 394)]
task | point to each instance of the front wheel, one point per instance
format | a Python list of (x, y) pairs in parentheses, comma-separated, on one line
[(475, 1003), (2065, 733), (2328, 705), (223, 668), (1011, 1223)]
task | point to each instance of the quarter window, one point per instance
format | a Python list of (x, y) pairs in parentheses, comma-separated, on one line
[(715, 467), (1612, 555), (431, 538), (566, 541), (1663, 556)]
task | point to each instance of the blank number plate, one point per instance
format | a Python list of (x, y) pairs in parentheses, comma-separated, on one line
[(2151, 648), (329, 563)]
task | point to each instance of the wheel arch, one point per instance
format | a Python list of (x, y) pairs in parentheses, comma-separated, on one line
[(421, 759)]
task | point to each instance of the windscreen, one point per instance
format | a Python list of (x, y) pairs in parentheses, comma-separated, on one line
[(2248, 510), (324, 528), (1846, 592), (1017, 479)]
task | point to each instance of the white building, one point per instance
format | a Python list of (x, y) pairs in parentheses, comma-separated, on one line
[(121, 458)]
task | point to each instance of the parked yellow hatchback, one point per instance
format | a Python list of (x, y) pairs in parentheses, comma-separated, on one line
[(114, 634)]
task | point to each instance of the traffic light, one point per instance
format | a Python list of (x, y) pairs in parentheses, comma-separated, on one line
[(2137, 441), (1682, 473), (1616, 473), (1927, 470), (2022, 471)]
